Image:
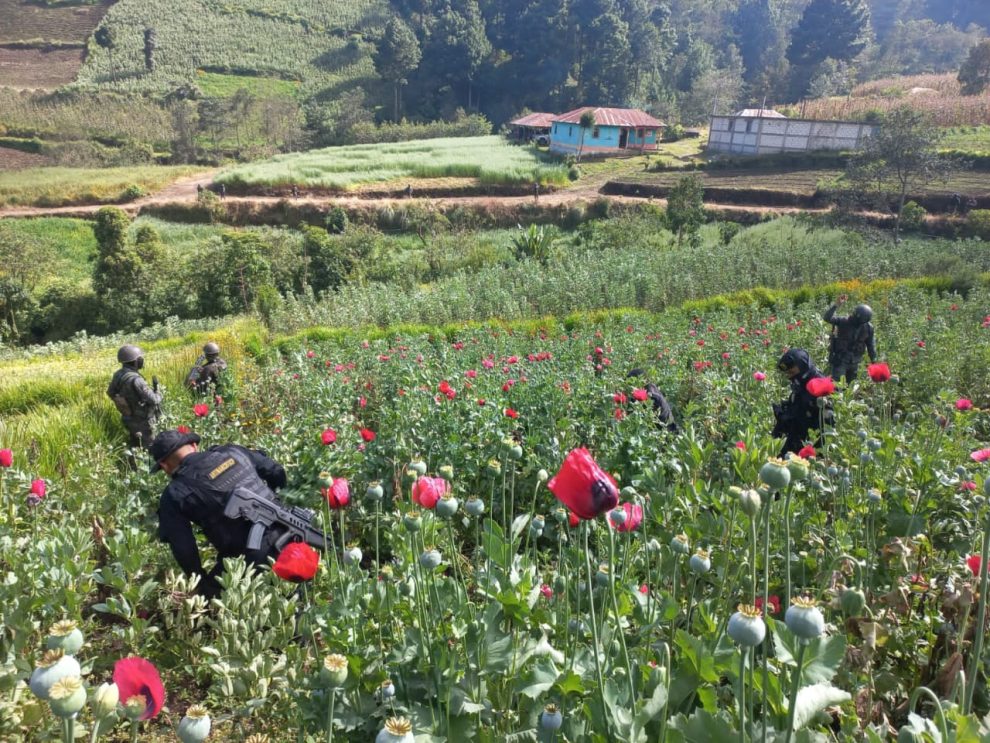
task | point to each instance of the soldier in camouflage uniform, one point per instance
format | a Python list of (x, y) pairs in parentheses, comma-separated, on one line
[(137, 402), (205, 376), (852, 336)]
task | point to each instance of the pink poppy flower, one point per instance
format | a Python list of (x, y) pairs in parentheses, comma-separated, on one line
[(583, 486)]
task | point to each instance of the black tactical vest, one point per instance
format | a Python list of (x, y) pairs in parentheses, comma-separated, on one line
[(123, 394), (209, 478)]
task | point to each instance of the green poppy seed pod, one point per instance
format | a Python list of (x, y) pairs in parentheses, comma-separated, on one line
[(602, 576), (628, 492), (474, 506), (700, 562), (334, 670), (325, 480), (54, 665), (387, 689), (407, 588), (617, 516), (798, 467), (105, 700), (516, 452), (374, 491), (559, 583), (747, 627), (418, 466), (430, 559), (67, 696), (494, 467), (874, 444), (446, 507), (195, 726), (353, 555), (65, 636), (137, 705), (680, 545), (735, 490), (551, 718), (862, 434), (412, 522), (411, 476), (853, 601), (446, 472), (396, 730), (804, 619), (775, 474), (542, 475), (575, 626), (750, 502)]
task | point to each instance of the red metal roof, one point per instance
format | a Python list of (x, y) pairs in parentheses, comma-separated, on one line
[(631, 117), (537, 120)]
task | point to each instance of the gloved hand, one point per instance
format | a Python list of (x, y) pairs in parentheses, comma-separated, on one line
[(154, 383)]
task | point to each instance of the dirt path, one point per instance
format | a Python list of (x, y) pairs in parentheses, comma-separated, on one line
[(184, 191)]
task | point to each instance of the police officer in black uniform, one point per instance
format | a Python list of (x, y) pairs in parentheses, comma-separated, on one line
[(201, 483), (852, 336), (137, 402), (799, 414), (661, 408), (205, 376)]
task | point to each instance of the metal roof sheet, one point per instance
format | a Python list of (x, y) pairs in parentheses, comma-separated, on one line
[(759, 113), (631, 117), (538, 120)]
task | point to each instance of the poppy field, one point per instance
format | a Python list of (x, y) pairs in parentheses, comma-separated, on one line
[(515, 551)]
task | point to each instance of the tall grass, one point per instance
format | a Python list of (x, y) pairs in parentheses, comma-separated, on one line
[(490, 159), (61, 186)]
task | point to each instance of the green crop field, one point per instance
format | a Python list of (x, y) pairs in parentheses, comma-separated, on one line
[(58, 186), (290, 39), (218, 85), (489, 159)]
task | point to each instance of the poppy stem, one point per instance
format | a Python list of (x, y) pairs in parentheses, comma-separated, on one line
[(787, 545), (333, 697), (742, 693), (586, 527), (979, 630), (618, 617), (795, 685), (134, 731), (766, 609)]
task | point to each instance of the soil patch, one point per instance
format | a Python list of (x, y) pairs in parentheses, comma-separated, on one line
[(38, 68), (17, 160)]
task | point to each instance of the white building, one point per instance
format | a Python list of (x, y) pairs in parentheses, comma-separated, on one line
[(763, 131)]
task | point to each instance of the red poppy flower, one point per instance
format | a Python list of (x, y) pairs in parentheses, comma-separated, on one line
[(962, 404), (572, 519), (338, 494), (774, 602), (328, 436), (481, 401), (510, 413), (583, 486), (639, 394), (619, 398), (367, 434), (634, 517), (619, 414), (428, 490), (974, 562), (183, 429), (6, 457), (38, 488), (820, 386), (201, 409), (547, 591), (644, 589), (471, 374), (879, 372), (741, 445), (807, 452), (968, 485), (297, 562), (137, 677), (980, 455)]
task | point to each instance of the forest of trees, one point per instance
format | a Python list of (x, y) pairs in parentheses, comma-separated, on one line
[(675, 57)]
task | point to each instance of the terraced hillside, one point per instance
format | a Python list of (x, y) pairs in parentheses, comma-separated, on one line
[(44, 46), (317, 43)]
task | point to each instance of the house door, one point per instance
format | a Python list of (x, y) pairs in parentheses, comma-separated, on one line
[(623, 138)]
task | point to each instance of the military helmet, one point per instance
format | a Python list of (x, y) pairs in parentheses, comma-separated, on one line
[(793, 357), (129, 353), (211, 349), (863, 313)]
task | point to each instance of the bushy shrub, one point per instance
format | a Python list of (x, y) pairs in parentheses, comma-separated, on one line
[(131, 193), (336, 220), (978, 223), (913, 216), (574, 173)]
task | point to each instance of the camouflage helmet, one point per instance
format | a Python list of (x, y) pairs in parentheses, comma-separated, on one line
[(211, 349), (863, 313), (128, 354)]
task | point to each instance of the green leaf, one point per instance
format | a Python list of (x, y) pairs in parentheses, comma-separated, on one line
[(703, 727), (647, 711), (822, 657), (518, 524), (539, 679), (813, 699), (570, 683)]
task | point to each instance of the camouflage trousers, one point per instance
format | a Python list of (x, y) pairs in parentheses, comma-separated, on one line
[(140, 432)]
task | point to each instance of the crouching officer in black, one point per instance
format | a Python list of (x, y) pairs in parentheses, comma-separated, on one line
[(205, 376), (799, 414), (135, 400), (661, 408), (202, 483), (852, 336)]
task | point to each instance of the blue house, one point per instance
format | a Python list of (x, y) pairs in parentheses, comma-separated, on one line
[(616, 130)]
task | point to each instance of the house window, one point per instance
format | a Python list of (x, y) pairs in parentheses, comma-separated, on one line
[(749, 123), (639, 133), (595, 132), (570, 131)]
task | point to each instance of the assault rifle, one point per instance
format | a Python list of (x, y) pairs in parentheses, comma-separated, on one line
[(264, 512)]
